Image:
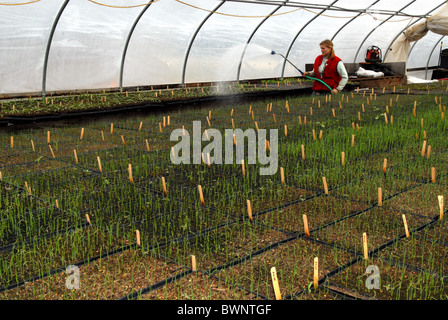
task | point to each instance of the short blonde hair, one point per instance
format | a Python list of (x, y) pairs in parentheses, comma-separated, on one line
[(329, 44)]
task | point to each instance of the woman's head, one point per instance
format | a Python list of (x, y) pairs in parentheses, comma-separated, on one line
[(327, 49)]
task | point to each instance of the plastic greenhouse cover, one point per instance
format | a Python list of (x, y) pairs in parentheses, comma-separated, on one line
[(54, 45)]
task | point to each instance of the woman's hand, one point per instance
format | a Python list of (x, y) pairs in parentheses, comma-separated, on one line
[(335, 91)]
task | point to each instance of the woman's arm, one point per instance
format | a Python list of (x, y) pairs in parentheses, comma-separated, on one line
[(344, 75)]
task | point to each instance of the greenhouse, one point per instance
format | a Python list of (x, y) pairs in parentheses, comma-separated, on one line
[(252, 150)]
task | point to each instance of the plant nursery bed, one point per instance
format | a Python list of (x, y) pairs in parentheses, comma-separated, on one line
[(225, 245), (109, 278), (320, 211), (294, 263), (379, 225), (396, 282), (199, 286)]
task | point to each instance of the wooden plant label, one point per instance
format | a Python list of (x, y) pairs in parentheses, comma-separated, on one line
[(234, 139), (343, 158), (414, 112), (122, 139), (193, 263), (160, 127), (429, 152), (405, 226), (364, 244), (320, 134), (274, 117), (303, 152), (1, 178), (316, 273), (140, 126), (147, 144), (391, 119), (282, 175), (311, 111), (233, 125), (12, 142), (385, 165), (249, 210), (201, 195), (359, 116), (433, 174), (88, 219), (99, 164), (305, 225), (380, 197), (137, 235), (256, 126), (82, 134), (250, 109), (286, 130), (325, 185), (76, 156), (424, 134), (209, 163), (164, 186), (32, 145), (314, 135), (130, 173), (304, 120), (231, 113), (48, 136), (363, 108), (385, 118), (424, 148), (112, 128), (56, 203), (353, 140), (102, 135), (51, 150), (278, 296), (334, 113), (441, 206), (422, 122)]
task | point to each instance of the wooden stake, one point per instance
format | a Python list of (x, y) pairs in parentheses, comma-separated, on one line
[(56, 203), (385, 165), (364, 244), (112, 128), (164, 186), (48, 136), (102, 135), (122, 139), (405, 226), (334, 113), (305, 225), (278, 296), (32, 145), (51, 150), (353, 140), (99, 164), (433, 174), (76, 156), (325, 185), (441, 206), (380, 197), (137, 235), (243, 168), (424, 148), (12, 142), (316, 273), (320, 135), (201, 195), (286, 130), (130, 173), (314, 135), (193, 263), (429, 152), (88, 219), (343, 158), (82, 134), (249, 210), (140, 126), (414, 112), (282, 175), (147, 144), (303, 152)]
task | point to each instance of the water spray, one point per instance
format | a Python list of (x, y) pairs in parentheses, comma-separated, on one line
[(301, 72)]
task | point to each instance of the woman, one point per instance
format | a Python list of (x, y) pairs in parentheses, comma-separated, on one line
[(330, 69)]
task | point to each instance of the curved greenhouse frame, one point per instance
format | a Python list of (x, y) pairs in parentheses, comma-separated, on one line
[(49, 46)]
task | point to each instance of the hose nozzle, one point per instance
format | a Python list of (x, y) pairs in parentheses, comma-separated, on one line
[(273, 52)]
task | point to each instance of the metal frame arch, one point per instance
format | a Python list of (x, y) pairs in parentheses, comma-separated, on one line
[(47, 49), (251, 36), (128, 39), (430, 55), (371, 31), (396, 37), (352, 19), (300, 31), (193, 38)]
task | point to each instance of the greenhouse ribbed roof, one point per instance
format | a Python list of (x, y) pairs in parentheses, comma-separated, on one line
[(51, 45)]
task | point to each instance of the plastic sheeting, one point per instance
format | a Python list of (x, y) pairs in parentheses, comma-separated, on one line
[(54, 45)]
